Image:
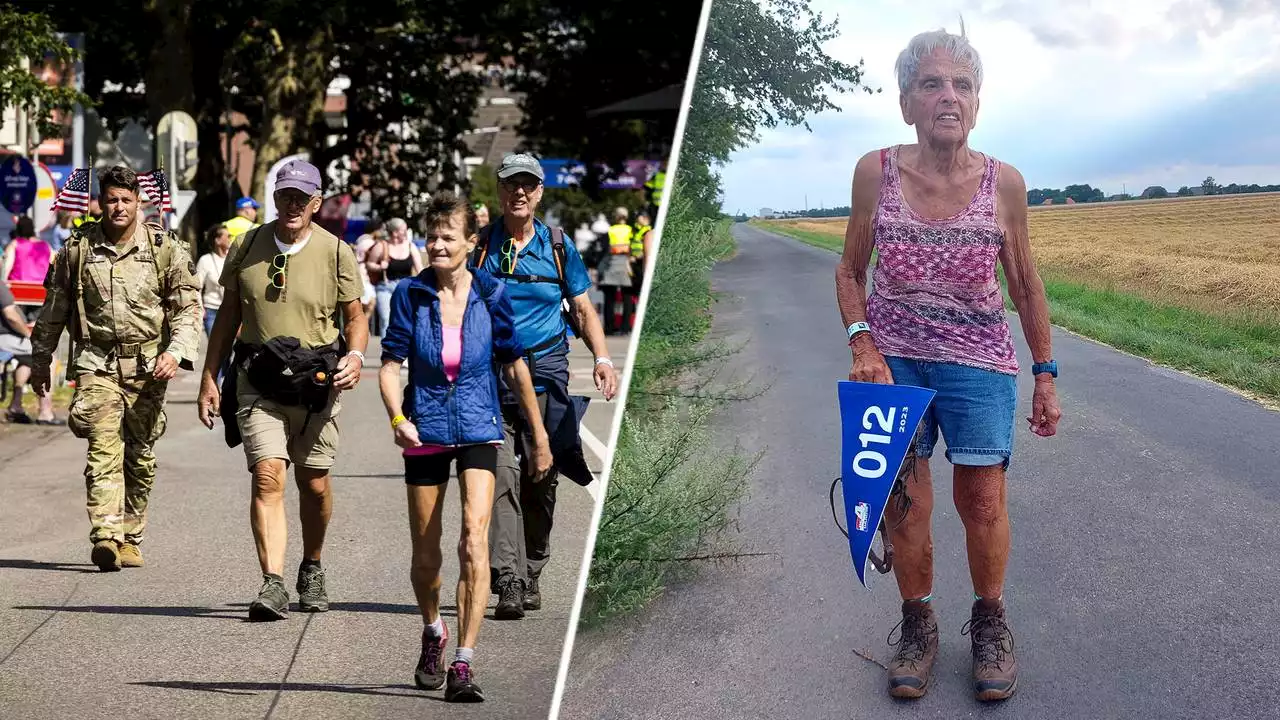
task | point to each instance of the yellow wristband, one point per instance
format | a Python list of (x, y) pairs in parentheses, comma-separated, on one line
[(395, 421)]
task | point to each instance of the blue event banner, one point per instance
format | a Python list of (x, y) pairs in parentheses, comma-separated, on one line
[(878, 423)]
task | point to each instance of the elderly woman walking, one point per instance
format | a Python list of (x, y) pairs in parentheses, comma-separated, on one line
[(454, 327), (940, 215)]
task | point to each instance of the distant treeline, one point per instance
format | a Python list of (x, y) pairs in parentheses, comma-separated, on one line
[(1074, 194)]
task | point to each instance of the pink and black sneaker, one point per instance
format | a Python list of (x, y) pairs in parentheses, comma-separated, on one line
[(430, 674), (462, 684)]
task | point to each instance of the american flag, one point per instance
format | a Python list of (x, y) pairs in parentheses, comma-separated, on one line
[(75, 193), (156, 186)]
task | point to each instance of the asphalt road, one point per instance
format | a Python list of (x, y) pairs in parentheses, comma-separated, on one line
[(1143, 580), (171, 640)]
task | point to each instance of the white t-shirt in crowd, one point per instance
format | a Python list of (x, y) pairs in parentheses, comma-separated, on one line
[(208, 270)]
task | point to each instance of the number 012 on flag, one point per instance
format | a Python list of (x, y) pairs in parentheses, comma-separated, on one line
[(878, 423)]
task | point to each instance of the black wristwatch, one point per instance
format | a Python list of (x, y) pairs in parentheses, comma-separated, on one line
[(1050, 367)]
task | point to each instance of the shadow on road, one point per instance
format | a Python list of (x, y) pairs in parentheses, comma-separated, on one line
[(249, 688), (38, 565), (230, 611), (167, 611)]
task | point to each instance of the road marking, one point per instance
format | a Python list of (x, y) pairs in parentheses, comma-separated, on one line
[(601, 452)]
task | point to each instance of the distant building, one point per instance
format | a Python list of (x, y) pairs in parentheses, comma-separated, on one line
[(767, 212)]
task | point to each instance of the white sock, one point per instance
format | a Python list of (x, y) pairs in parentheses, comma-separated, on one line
[(437, 627), (464, 655)]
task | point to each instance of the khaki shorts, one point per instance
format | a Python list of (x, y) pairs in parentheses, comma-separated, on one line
[(271, 430)]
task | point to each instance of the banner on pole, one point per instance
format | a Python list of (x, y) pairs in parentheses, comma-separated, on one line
[(878, 423)]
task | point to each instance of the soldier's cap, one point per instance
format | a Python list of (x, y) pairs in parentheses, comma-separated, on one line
[(299, 175), (245, 202), (516, 163)]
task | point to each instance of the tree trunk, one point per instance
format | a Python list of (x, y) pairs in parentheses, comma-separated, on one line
[(297, 76), (169, 81)]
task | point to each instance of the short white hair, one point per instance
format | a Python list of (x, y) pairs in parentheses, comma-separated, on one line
[(922, 45), (397, 224)]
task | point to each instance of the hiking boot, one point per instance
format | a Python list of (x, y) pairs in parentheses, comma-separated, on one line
[(995, 672), (130, 555), (533, 596), (430, 673), (912, 666), (272, 602), (510, 600), (106, 555), (462, 685), (311, 593)]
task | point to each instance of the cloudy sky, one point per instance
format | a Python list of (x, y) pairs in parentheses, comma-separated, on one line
[(1120, 95)]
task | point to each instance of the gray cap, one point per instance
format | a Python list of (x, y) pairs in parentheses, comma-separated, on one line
[(299, 175), (516, 163)]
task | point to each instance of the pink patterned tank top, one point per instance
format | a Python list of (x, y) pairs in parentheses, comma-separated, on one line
[(935, 294)]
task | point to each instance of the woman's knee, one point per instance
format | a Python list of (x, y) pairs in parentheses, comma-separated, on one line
[(473, 546), (980, 495)]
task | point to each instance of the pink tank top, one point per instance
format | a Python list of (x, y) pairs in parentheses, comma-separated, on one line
[(30, 259), (451, 357), (935, 294)]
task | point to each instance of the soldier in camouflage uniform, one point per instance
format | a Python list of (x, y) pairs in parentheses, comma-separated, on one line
[(126, 292)]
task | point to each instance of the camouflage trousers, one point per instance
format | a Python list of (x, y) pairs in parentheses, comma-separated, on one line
[(121, 419)]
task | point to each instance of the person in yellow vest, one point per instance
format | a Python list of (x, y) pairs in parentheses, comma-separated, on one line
[(640, 247), (654, 187), (246, 217), (615, 275), (92, 216)]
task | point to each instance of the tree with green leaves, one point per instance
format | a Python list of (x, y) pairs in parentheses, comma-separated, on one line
[(763, 64), (32, 36)]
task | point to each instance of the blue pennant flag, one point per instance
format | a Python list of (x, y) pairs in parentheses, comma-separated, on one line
[(878, 423)]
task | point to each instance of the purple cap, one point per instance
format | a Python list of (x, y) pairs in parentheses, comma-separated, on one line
[(299, 175)]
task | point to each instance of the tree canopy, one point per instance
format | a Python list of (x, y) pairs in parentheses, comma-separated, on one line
[(34, 36), (415, 71), (763, 64)]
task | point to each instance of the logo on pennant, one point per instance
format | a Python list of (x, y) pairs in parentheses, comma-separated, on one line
[(860, 512)]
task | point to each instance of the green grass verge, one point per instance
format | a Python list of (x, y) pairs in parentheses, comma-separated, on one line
[(670, 491), (1229, 348), (834, 243)]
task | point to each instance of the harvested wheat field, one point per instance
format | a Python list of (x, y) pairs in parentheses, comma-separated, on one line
[(1212, 254)]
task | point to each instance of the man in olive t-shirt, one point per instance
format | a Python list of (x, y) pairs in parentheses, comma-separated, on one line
[(288, 278)]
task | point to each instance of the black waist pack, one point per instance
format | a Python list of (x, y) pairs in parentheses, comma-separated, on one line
[(285, 372)]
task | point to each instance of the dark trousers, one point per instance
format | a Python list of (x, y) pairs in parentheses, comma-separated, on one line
[(520, 527)]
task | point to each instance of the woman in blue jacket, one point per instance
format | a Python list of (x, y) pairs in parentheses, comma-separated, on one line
[(453, 327)]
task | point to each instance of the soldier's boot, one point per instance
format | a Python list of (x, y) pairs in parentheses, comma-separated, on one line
[(106, 555), (912, 666), (130, 555), (995, 671)]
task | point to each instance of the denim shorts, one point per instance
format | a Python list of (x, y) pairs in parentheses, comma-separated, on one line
[(973, 407)]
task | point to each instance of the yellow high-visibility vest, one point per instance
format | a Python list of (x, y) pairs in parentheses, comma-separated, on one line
[(239, 225), (620, 239), (637, 241), (656, 184)]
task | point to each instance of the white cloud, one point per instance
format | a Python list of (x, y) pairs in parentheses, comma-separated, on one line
[(1061, 80)]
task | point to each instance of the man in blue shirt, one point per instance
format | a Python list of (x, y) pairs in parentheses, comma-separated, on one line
[(518, 248)]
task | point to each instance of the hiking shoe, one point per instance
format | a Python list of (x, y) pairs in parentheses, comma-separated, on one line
[(430, 672), (510, 600), (912, 666), (995, 672), (106, 555), (462, 685), (272, 602), (130, 555), (533, 596), (311, 593)]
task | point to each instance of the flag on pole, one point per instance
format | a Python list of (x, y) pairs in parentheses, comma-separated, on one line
[(74, 196), (156, 187)]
